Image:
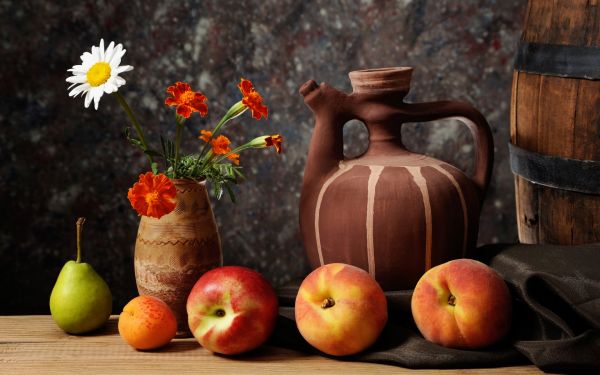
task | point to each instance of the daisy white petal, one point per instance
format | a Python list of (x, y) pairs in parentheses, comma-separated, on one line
[(88, 98), (95, 53), (119, 80), (109, 89), (97, 95), (110, 86), (124, 68), (76, 68), (101, 49), (87, 65), (77, 79), (116, 60), (79, 89), (118, 49), (86, 56), (109, 52)]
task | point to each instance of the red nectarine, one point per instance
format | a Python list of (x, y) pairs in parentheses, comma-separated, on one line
[(232, 310)]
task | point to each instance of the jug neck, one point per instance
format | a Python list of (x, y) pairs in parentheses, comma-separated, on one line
[(385, 139), (386, 86)]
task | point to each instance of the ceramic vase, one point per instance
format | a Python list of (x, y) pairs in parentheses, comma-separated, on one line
[(172, 252)]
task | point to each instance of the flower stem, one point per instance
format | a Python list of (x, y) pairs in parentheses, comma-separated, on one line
[(135, 123), (236, 150), (234, 111), (179, 122), (209, 156)]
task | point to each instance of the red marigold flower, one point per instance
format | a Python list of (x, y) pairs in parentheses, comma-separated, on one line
[(220, 145), (252, 99), (275, 140), (186, 100), (153, 195), (235, 158), (205, 135)]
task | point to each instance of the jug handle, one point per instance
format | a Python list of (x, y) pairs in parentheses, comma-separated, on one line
[(475, 121)]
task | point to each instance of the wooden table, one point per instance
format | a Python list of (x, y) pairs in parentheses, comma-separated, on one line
[(35, 345)]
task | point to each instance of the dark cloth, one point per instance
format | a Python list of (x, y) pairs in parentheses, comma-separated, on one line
[(556, 316)]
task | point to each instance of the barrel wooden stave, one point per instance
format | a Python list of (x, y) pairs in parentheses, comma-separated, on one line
[(557, 116)]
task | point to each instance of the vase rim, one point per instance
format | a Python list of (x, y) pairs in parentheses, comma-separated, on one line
[(184, 181)]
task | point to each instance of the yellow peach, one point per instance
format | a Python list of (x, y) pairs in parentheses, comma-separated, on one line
[(462, 304), (340, 309)]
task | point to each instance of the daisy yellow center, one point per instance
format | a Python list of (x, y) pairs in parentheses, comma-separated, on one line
[(187, 97), (98, 74)]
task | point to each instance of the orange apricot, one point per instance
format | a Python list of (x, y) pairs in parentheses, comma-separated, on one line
[(147, 323)]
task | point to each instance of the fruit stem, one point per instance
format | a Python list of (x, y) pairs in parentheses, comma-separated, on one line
[(328, 302), (79, 225), (451, 300)]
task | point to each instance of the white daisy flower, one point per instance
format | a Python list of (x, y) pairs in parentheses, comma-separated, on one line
[(98, 73)]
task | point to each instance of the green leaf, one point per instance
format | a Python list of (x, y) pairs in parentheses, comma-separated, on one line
[(217, 189), (230, 193), (137, 143), (134, 141), (154, 167), (238, 173), (153, 153), (168, 148)]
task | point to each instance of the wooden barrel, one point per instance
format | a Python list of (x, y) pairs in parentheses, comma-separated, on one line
[(555, 123)]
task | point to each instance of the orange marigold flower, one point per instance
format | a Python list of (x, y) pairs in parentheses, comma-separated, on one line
[(205, 135), (220, 145), (252, 99), (275, 140), (235, 158), (186, 100), (153, 195)]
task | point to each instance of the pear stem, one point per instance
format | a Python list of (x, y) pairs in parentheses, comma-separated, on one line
[(79, 225)]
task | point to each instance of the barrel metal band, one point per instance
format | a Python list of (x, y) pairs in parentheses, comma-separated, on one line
[(582, 176), (559, 60)]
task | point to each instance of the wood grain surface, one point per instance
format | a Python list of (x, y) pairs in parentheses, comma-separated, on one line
[(35, 345), (557, 116)]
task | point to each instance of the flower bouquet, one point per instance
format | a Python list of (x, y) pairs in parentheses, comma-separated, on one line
[(217, 162), (177, 238)]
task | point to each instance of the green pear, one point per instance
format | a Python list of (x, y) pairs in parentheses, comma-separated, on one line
[(80, 301)]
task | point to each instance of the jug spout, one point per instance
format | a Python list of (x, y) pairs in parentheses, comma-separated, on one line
[(330, 108)]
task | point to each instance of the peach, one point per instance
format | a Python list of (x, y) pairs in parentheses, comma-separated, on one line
[(147, 323), (340, 309), (462, 304)]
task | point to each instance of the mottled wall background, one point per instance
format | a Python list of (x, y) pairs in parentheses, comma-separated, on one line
[(59, 161)]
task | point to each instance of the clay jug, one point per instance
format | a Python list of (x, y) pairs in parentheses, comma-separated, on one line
[(172, 252), (390, 211)]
